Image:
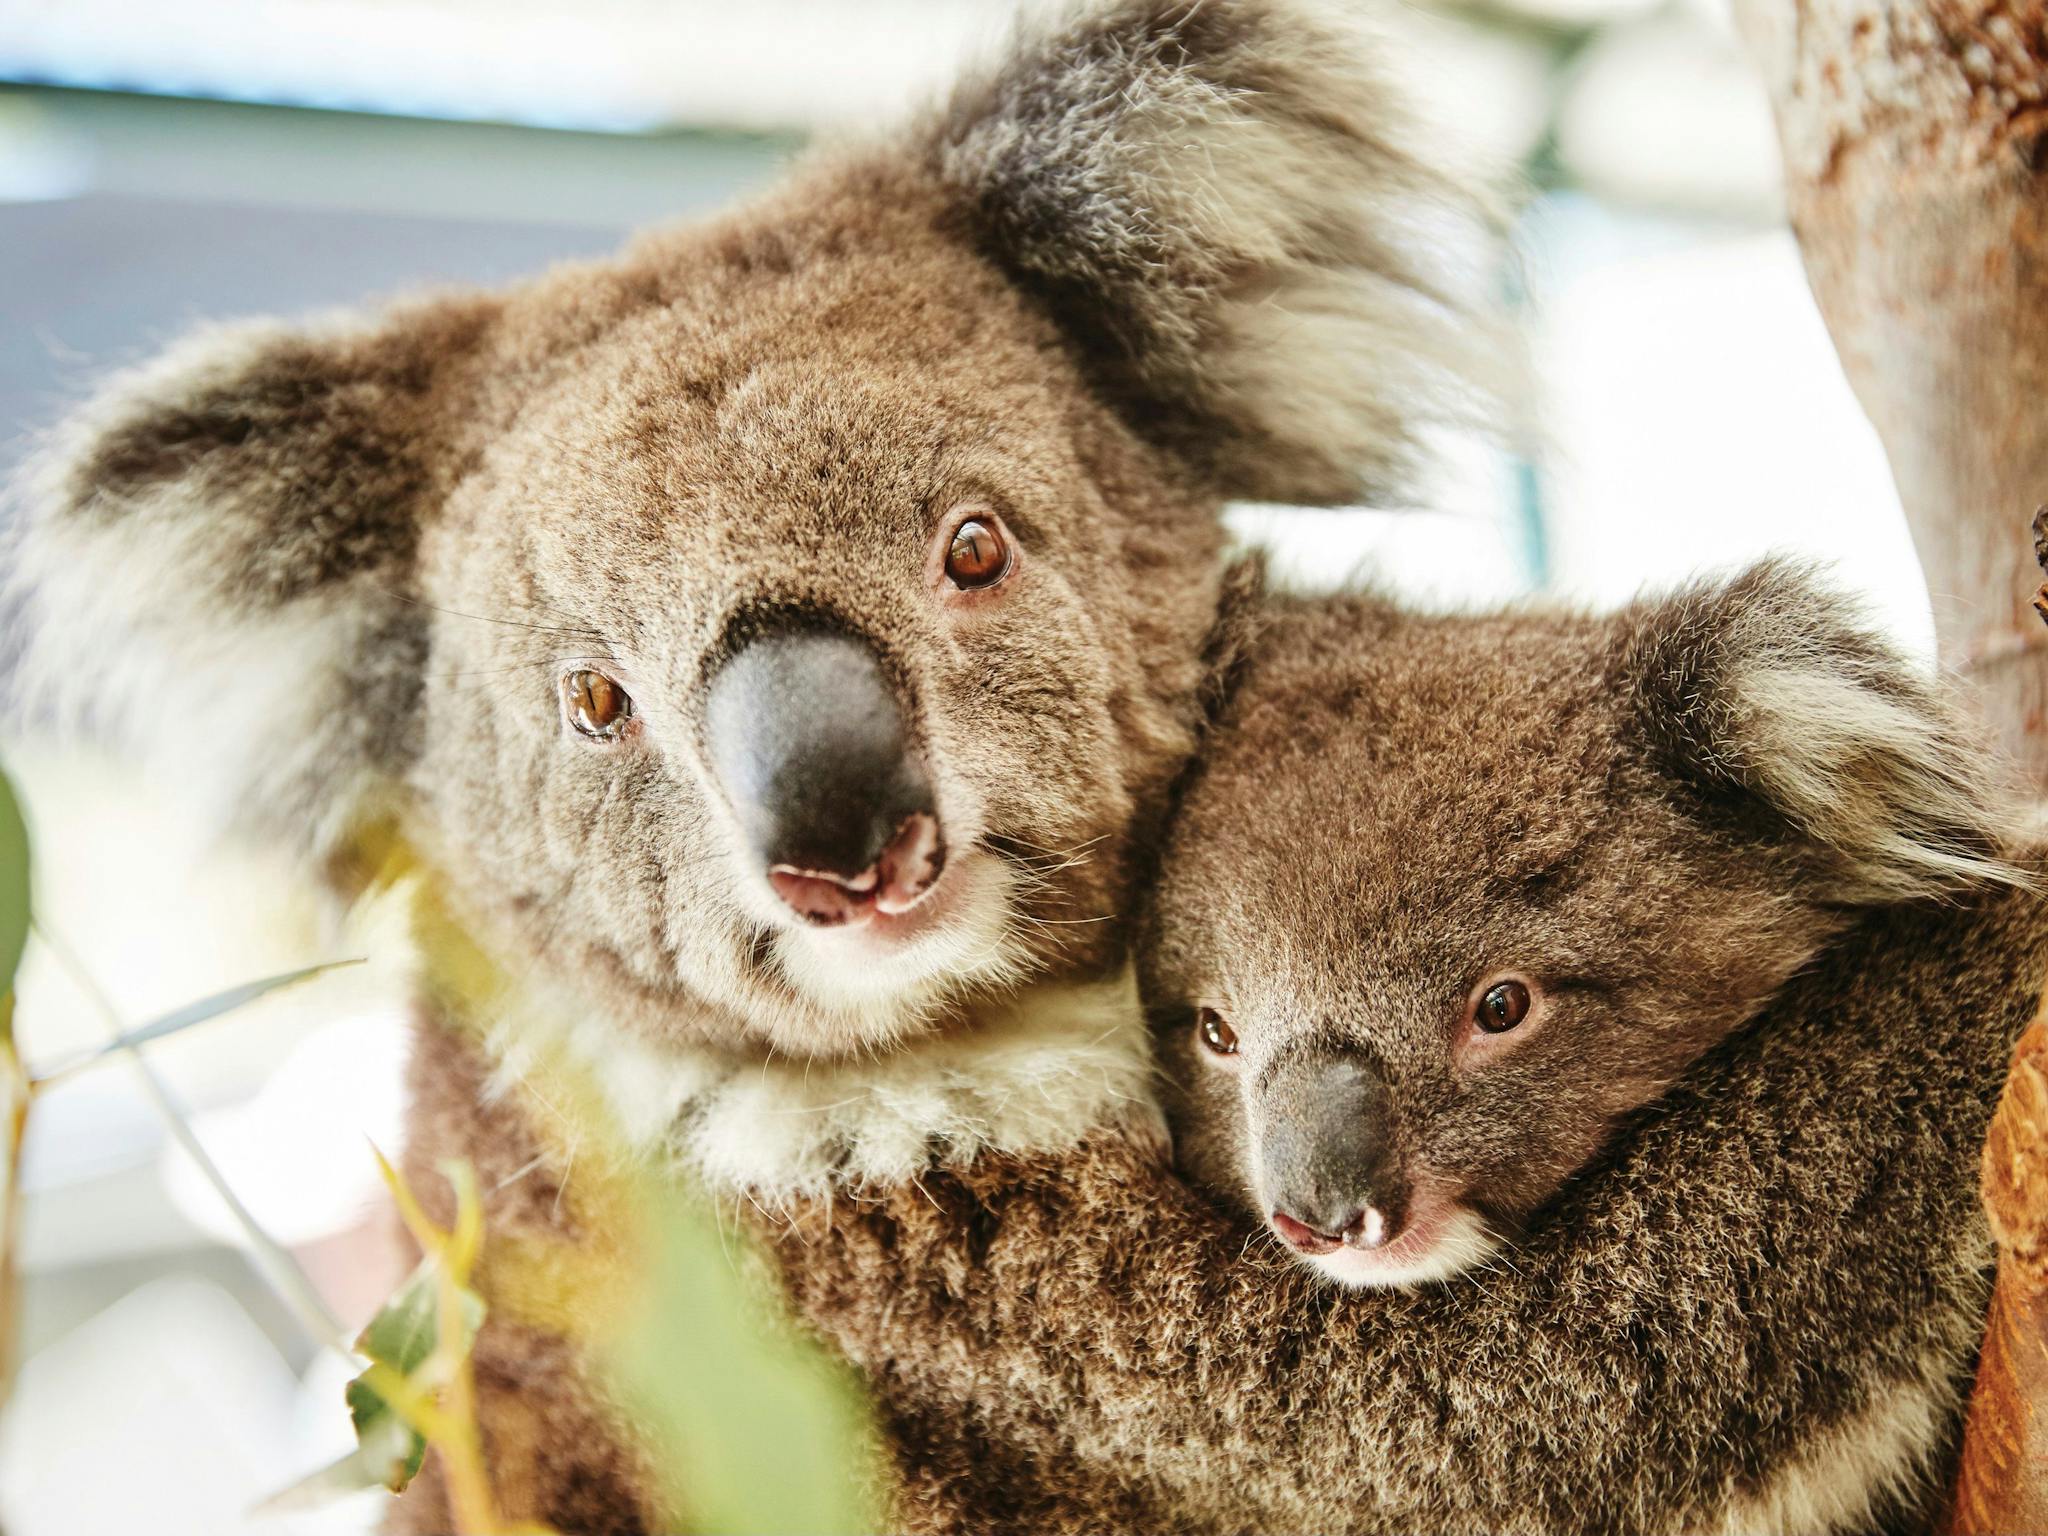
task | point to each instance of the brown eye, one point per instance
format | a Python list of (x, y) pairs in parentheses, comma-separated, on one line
[(1214, 1033), (1504, 1006), (979, 556), (595, 705)]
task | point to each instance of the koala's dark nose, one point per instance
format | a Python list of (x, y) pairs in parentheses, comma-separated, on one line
[(1332, 1170), (809, 741)]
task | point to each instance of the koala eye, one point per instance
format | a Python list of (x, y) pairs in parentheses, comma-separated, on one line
[(978, 555), (1216, 1035), (1505, 1004), (595, 705)]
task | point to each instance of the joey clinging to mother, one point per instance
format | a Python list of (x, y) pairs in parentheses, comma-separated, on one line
[(779, 630), (1449, 899)]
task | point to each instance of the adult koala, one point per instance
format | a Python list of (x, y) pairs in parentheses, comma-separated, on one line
[(778, 640)]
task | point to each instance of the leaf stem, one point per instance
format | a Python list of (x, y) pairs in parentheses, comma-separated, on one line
[(276, 1265), (15, 1088)]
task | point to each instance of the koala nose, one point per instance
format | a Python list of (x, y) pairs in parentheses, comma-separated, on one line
[(1331, 1167), (809, 741)]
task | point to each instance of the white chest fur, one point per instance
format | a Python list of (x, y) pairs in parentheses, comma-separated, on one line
[(1035, 1073)]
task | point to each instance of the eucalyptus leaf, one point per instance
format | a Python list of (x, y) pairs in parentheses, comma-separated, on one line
[(403, 1335), (192, 1013), (389, 1452), (13, 884), (390, 1446), (408, 1326), (767, 1434)]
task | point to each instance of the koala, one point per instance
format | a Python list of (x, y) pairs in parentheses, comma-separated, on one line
[(774, 646), (1567, 859), (1581, 1032), (1474, 930)]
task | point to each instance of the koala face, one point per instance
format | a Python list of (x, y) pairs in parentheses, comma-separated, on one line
[(1449, 898), (788, 628), (812, 645)]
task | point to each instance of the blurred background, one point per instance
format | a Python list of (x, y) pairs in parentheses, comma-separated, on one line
[(164, 164)]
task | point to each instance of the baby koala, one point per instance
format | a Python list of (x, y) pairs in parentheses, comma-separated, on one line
[(1451, 900)]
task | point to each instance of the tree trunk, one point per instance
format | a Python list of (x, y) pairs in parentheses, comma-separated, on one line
[(1915, 135), (2000, 1486)]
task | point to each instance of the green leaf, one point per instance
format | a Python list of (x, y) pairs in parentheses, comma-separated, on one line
[(405, 1337), (13, 885), (389, 1452), (363, 1467), (767, 1434), (192, 1013), (402, 1335), (408, 1326)]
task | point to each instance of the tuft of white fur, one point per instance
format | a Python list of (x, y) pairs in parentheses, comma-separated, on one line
[(1219, 193), (1775, 683), (248, 714), (1845, 1475), (1884, 780), (1035, 1072)]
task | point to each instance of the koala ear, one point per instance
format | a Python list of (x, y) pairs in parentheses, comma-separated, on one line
[(212, 562), (1771, 690), (1240, 614), (1212, 199)]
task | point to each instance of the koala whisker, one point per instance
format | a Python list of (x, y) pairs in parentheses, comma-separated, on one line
[(517, 666), (1059, 940), (718, 1221), (1473, 1275), (487, 689), (520, 1172), (819, 1109), (562, 1186), (1013, 840), (1273, 1248), (1035, 862), (481, 618)]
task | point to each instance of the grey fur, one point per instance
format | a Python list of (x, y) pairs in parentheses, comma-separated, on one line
[(1220, 202)]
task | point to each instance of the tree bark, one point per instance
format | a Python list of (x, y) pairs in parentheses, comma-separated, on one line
[(1915, 137), (2000, 1486)]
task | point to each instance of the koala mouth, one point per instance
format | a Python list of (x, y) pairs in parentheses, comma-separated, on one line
[(1438, 1242), (902, 878)]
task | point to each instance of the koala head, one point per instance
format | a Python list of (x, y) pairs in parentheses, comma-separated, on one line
[(1448, 898), (782, 629)]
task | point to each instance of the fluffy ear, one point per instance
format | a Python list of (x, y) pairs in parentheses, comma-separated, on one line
[(1212, 198), (211, 562), (1241, 608), (1771, 692)]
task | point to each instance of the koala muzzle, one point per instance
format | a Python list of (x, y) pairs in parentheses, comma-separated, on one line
[(809, 741), (1331, 1171)]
